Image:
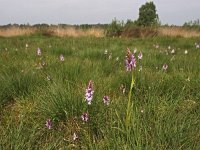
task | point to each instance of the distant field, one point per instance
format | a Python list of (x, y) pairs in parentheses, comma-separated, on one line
[(42, 98)]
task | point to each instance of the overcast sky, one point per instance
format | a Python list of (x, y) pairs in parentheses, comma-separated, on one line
[(93, 11)]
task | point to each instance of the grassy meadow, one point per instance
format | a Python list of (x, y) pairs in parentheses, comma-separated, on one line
[(163, 112)]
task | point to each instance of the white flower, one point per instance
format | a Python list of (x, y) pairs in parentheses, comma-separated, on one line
[(173, 51), (75, 136), (110, 56), (140, 55), (140, 69), (106, 100), (165, 66), (85, 117), (48, 78), (186, 52), (135, 50), (106, 52), (62, 57), (157, 46), (39, 52)]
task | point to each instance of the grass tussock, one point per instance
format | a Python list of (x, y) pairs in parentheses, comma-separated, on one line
[(178, 32)]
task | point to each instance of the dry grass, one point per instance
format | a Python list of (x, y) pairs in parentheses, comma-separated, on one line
[(178, 32), (16, 31), (55, 31), (96, 32), (73, 32)]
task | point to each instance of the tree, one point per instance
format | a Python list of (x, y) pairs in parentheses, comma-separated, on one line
[(147, 15)]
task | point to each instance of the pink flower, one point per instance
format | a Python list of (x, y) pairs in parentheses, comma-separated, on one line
[(89, 93), (130, 61), (85, 117), (48, 123), (106, 100)]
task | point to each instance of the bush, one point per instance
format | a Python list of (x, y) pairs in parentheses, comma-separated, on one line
[(115, 28)]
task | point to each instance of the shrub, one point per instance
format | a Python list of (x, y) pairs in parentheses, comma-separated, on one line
[(115, 28)]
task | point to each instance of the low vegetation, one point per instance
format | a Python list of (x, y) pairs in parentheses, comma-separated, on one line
[(47, 84)]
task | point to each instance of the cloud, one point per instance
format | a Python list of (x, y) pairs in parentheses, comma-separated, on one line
[(92, 11)]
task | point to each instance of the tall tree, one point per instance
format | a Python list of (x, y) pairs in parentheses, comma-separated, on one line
[(147, 15)]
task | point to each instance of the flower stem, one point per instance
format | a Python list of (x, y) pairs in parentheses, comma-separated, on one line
[(130, 104)]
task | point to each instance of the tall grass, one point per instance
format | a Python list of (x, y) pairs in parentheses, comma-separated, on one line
[(178, 32)]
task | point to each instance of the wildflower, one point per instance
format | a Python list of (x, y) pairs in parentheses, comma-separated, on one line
[(140, 56), (135, 50), (85, 117), (48, 123), (106, 52), (26, 45), (140, 69), (89, 92), (62, 57), (43, 63), (156, 46), (106, 100), (173, 51), (110, 56), (117, 59), (169, 47), (166, 52), (75, 136), (165, 66), (130, 61), (197, 46), (188, 79), (122, 88), (186, 52), (49, 78), (39, 52), (172, 58)]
